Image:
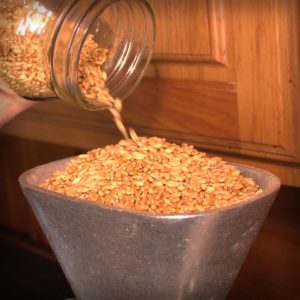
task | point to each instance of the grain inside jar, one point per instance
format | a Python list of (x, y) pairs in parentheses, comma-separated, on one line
[(22, 45), (23, 65), (92, 81)]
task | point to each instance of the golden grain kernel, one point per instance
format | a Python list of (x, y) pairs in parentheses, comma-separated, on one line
[(203, 187), (172, 184), (138, 155), (133, 135), (176, 195), (168, 150), (210, 190), (158, 184)]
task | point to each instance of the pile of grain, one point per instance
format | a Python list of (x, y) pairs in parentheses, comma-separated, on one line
[(152, 175)]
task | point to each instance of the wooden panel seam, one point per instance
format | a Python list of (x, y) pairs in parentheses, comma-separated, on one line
[(217, 38), (55, 123)]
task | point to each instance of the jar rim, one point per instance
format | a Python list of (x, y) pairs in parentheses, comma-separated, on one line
[(129, 68)]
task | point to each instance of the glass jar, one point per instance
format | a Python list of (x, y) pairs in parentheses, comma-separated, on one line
[(41, 45)]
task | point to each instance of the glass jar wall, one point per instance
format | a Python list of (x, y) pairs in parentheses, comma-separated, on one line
[(49, 48)]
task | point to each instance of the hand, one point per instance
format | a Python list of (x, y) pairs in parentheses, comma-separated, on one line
[(11, 104)]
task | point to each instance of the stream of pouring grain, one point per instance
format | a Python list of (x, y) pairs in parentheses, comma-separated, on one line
[(92, 82)]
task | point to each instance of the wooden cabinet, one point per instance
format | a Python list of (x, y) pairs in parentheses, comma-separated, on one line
[(242, 61), (224, 77)]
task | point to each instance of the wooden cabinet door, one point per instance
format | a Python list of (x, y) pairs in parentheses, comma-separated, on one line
[(241, 59)]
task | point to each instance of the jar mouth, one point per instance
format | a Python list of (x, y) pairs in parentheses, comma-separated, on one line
[(125, 27), (136, 35)]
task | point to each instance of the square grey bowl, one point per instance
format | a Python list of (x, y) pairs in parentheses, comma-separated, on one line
[(112, 253)]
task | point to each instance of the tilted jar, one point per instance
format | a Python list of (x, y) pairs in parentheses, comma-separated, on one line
[(41, 42)]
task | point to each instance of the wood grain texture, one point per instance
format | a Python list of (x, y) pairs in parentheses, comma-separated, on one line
[(263, 38), (258, 44), (206, 22), (203, 114), (171, 108), (289, 173), (17, 156), (289, 106), (176, 21), (192, 31), (267, 108), (88, 135)]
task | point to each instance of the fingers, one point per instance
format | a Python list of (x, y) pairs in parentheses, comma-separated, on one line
[(11, 104), (4, 87), (7, 94)]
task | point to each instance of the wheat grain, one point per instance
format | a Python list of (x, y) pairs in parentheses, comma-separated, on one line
[(134, 175)]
